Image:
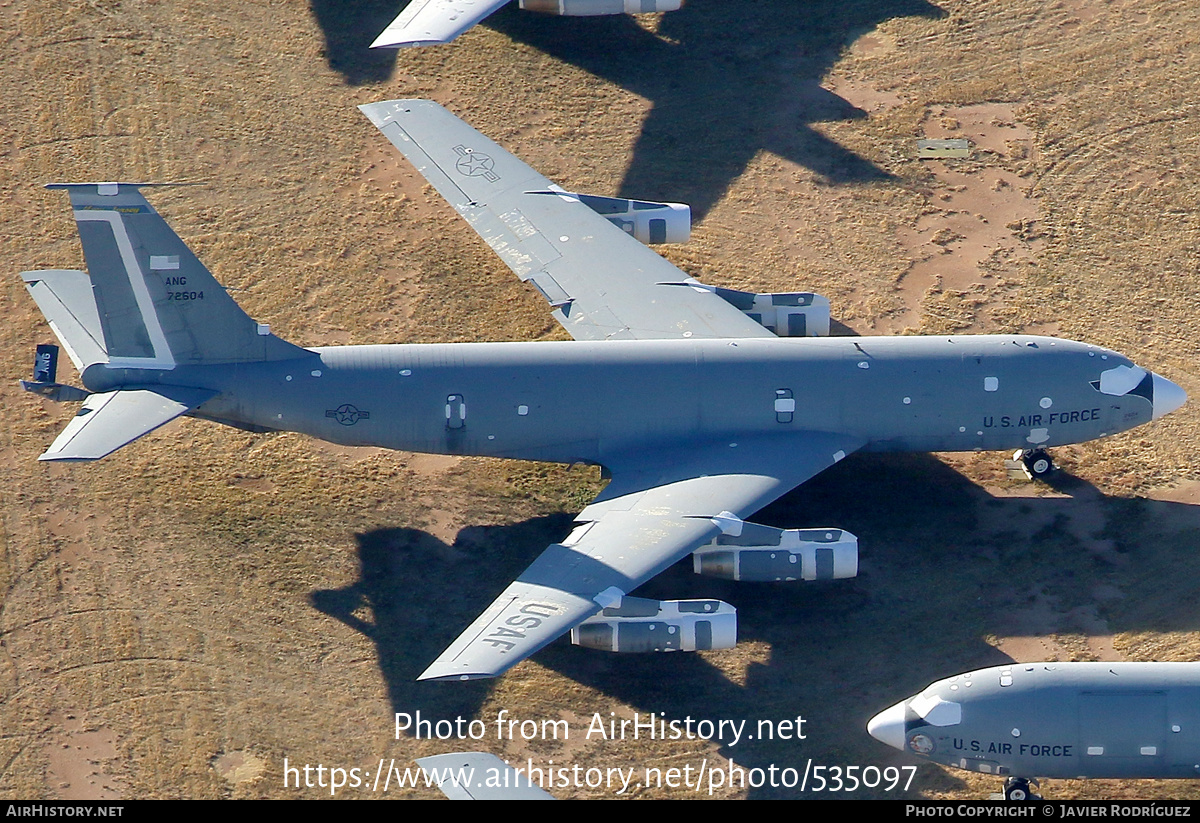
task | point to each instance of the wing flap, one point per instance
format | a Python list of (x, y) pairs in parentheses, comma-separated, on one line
[(659, 508), (600, 282), (110, 420)]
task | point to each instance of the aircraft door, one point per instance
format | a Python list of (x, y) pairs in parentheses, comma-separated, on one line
[(1122, 735), (456, 412), (979, 408), (785, 405), (1183, 716)]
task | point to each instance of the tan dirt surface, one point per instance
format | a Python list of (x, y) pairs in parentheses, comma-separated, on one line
[(186, 616)]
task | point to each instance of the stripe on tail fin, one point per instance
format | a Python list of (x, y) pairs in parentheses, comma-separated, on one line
[(146, 303)]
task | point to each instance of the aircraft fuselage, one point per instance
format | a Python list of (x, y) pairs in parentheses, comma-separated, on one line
[(1057, 720), (585, 401)]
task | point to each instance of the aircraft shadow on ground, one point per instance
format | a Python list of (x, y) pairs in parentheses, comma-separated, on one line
[(416, 594), (349, 27), (726, 80), (944, 564)]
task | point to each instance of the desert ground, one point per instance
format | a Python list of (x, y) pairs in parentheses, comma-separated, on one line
[(179, 619)]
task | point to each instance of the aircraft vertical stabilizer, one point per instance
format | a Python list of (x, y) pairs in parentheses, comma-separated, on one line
[(145, 306), (156, 305)]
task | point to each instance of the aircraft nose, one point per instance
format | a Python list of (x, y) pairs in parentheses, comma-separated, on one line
[(1167, 396), (888, 726)]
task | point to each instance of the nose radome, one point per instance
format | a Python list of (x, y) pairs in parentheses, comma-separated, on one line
[(888, 726), (1167, 396)]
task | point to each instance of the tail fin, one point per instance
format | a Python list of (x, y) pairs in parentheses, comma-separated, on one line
[(145, 302), (152, 304)]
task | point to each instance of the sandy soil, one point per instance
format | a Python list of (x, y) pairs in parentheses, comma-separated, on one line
[(179, 619)]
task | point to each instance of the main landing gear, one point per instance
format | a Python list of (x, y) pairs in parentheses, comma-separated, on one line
[(1020, 789)]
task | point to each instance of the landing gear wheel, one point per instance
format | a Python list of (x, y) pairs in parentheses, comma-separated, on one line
[(1038, 462), (1018, 790)]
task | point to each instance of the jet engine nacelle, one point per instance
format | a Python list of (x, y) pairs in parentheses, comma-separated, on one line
[(595, 8), (791, 314), (651, 223), (641, 625), (762, 554)]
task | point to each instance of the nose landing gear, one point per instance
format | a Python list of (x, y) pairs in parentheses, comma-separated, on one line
[(1034, 463), (1038, 462), (1020, 789)]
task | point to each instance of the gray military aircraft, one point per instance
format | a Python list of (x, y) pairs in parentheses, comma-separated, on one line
[(1065, 720), (702, 404), (432, 22)]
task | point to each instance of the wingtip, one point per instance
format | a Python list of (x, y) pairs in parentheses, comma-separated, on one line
[(439, 673), (404, 44), (384, 104), (382, 111), (400, 40), (377, 112)]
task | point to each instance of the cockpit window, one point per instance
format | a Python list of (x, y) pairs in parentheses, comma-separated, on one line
[(1122, 380)]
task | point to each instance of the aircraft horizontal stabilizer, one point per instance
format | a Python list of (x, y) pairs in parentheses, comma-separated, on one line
[(69, 304), (108, 421)]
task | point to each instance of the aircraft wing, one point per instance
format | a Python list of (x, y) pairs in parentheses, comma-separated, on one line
[(660, 506), (479, 776), (602, 283), (432, 22)]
